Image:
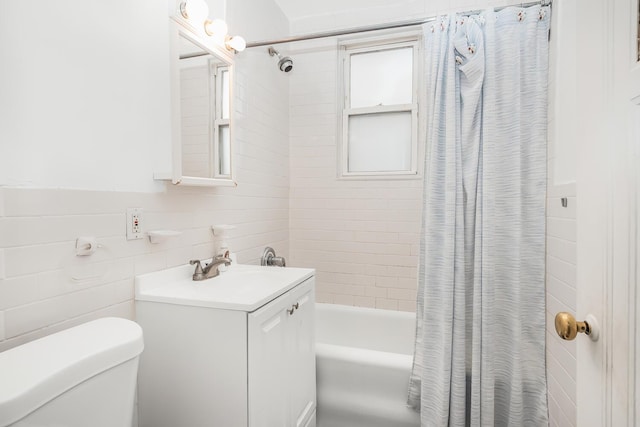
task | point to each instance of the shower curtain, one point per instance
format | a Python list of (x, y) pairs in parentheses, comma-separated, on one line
[(480, 340)]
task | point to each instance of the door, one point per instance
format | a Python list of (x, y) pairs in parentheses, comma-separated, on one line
[(303, 356), (282, 364), (268, 336), (608, 111)]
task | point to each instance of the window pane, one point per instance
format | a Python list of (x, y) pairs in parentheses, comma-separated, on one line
[(380, 142), (225, 94), (224, 151), (382, 78)]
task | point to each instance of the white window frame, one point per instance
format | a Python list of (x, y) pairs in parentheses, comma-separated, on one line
[(218, 121), (374, 44)]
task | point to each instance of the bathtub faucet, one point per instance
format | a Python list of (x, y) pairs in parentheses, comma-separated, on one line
[(210, 270)]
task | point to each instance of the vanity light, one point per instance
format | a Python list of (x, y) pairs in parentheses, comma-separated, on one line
[(194, 10), (217, 27), (197, 12), (236, 43)]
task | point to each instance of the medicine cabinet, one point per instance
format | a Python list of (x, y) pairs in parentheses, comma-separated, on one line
[(201, 109)]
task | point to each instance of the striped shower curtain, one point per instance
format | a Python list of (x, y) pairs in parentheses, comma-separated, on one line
[(480, 341)]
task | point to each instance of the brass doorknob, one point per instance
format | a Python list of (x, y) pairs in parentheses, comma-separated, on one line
[(568, 328)]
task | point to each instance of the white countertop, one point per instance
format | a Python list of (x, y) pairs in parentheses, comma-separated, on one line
[(241, 287)]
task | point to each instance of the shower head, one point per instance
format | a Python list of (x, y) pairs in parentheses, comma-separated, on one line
[(285, 63)]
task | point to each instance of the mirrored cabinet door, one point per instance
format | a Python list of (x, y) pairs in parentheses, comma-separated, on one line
[(202, 123)]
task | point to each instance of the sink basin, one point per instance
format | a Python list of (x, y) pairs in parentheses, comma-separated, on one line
[(241, 287)]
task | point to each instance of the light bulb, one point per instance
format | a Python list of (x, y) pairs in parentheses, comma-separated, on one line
[(217, 27), (236, 43), (194, 10)]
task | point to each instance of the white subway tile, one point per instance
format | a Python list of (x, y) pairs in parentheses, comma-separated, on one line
[(407, 306), (562, 270), (24, 231), (37, 315), (386, 304), (18, 291), (376, 292), (23, 260), (344, 299), (407, 283), (562, 228), (557, 418), (402, 294), (323, 297), (564, 250), (562, 292), (562, 190), (2, 330), (362, 301), (567, 379), (555, 209), (567, 407)]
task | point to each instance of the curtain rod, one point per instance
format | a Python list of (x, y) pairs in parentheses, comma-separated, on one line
[(364, 29)]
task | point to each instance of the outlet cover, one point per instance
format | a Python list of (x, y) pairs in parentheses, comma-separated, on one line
[(134, 224)]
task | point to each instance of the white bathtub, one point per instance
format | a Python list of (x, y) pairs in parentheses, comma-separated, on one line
[(363, 362)]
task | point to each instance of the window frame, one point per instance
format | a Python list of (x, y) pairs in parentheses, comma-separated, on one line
[(346, 48), (217, 121)]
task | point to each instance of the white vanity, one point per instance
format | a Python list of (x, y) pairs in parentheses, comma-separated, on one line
[(235, 350)]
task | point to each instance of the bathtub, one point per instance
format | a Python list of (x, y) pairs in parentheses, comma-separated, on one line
[(363, 362)]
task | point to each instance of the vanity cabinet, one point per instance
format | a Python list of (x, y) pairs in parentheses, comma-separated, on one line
[(207, 366)]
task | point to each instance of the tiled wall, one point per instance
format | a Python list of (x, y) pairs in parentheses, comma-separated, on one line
[(561, 296), (561, 221), (361, 236), (45, 287)]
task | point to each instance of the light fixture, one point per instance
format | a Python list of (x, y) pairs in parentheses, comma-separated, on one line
[(217, 27), (194, 10), (197, 12), (236, 43)]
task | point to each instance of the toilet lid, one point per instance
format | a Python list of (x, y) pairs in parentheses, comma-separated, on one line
[(34, 373)]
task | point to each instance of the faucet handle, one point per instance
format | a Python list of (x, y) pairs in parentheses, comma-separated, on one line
[(226, 259), (196, 262)]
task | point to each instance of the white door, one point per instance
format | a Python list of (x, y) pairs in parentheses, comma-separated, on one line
[(303, 357), (608, 111), (268, 335)]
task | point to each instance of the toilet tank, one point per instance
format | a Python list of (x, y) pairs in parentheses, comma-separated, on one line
[(79, 377)]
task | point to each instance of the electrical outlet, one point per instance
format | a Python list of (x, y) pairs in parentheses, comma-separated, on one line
[(134, 223)]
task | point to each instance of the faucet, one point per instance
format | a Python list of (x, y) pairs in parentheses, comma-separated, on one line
[(210, 270)]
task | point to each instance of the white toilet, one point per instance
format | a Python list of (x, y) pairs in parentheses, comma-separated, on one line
[(83, 376)]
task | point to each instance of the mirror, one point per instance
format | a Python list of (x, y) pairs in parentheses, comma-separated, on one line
[(202, 132)]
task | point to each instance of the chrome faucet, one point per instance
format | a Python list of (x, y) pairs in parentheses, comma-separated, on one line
[(210, 270)]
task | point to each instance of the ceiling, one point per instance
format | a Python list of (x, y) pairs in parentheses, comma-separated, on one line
[(297, 9)]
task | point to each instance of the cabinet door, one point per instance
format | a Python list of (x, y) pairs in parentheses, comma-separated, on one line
[(302, 362), (268, 355)]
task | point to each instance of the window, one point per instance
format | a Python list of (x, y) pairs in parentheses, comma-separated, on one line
[(379, 100), (222, 140)]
